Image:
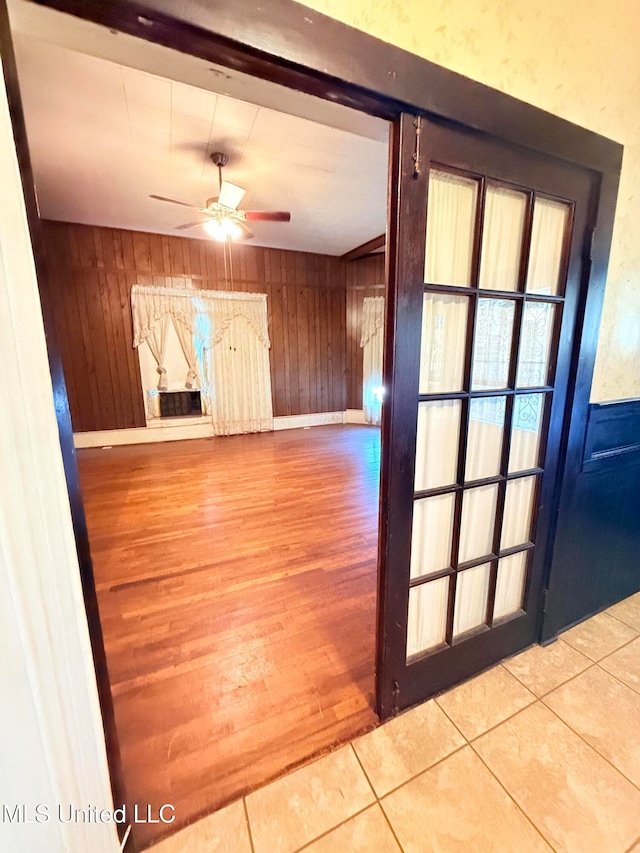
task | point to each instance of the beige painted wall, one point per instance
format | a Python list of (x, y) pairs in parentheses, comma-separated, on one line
[(579, 60)]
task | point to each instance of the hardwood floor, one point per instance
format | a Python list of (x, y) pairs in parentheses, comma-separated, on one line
[(236, 582)]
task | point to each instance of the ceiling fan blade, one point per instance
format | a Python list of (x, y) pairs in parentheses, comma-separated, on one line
[(247, 233), (230, 195), (267, 215), (175, 201), (188, 225)]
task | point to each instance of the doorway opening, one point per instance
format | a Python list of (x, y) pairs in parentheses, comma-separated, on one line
[(236, 574)]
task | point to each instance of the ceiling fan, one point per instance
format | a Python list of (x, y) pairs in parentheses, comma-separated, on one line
[(224, 220)]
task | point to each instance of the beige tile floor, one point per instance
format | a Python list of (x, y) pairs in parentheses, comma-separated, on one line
[(540, 753)]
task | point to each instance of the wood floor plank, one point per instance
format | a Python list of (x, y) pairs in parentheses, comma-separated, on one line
[(236, 582)]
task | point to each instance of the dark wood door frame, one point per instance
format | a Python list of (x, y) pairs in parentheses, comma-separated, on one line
[(292, 45)]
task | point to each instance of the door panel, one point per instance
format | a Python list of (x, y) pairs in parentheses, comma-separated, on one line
[(487, 275)]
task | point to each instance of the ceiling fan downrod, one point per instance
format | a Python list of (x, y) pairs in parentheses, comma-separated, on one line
[(219, 159)]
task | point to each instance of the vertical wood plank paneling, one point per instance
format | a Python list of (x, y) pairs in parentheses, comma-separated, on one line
[(141, 252), (324, 350), (113, 347), (136, 416), (157, 258), (118, 350), (117, 247), (81, 403), (99, 337), (94, 268), (302, 322), (82, 283), (286, 350), (292, 322), (342, 337), (128, 256), (277, 351)]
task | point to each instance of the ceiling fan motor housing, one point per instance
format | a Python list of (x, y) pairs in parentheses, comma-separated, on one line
[(219, 159)]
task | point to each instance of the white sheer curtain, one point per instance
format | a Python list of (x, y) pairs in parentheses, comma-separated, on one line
[(225, 340), (157, 343), (372, 343), (241, 378), (547, 240), (451, 213), (443, 343), (183, 309), (153, 308), (504, 213)]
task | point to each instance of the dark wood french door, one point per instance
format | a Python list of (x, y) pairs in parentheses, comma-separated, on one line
[(485, 296)]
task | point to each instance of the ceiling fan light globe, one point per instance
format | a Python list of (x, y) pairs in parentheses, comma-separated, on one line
[(214, 229), (231, 229)]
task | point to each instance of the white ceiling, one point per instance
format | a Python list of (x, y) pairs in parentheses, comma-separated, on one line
[(105, 133)]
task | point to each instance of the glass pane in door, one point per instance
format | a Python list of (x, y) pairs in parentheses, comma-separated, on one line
[(432, 534), (504, 215), (526, 432), (437, 444), (512, 576), (427, 622), (444, 343), (472, 590), (451, 216), (535, 344), (492, 344), (484, 437), (478, 522), (518, 512), (550, 220)]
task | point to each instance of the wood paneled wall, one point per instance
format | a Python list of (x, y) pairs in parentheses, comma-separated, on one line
[(364, 277), (91, 272)]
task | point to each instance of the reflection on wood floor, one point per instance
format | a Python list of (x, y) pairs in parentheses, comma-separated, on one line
[(236, 583)]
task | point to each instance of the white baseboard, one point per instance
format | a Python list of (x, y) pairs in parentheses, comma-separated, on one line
[(143, 435), (354, 416), (299, 421), (179, 429)]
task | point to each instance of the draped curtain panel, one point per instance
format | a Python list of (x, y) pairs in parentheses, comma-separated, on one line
[(225, 340), (372, 343)]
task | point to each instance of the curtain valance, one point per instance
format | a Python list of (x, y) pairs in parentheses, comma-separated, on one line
[(188, 308)]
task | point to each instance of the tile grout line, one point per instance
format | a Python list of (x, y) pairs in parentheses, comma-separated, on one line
[(617, 618), (455, 726), (426, 769), (331, 829), (592, 663), (475, 737), (612, 652), (390, 825), (512, 797), (246, 817), (377, 802), (562, 683), (361, 765), (636, 690), (594, 748)]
